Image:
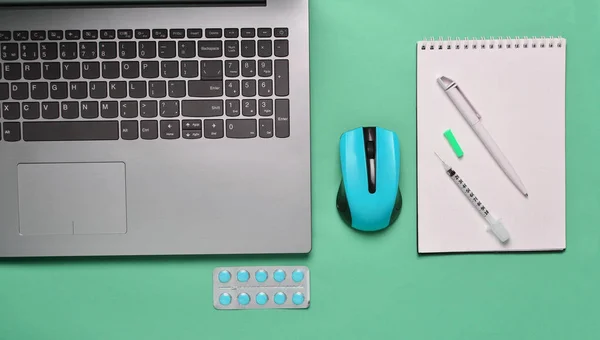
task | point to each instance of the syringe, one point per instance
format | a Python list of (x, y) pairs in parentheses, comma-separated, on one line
[(495, 225)]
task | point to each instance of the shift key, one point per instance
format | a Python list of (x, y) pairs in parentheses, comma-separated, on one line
[(202, 108), (205, 88), (282, 118)]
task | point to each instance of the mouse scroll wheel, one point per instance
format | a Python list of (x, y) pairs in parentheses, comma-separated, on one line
[(371, 150)]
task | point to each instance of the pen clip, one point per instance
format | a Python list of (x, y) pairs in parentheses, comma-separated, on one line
[(468, 101)]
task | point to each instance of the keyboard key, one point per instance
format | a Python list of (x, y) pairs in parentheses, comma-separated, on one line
[(281, 32), (192, 124), (50, 110), (249, 88), (78, 90), (265, 48), (169, 69), (37, 35), (11, 111), (169, 129), (210, 49), (73, 34), (147, 49), (150, 69), (108, 50), (59, 90), (137, 89), (282, 82), (167, 49), (88, 50), (265, 128), (90, 34), (211, 69), (202, 108), (158, 89), (19, 91), (39, 91), (11, 132), (49, 51), (31, 110), (142, 34), (12, 71), (110, 70), (265, 107), (248, 32), (249, 107), (194, 33), (98, 89), (192, 134), (70, 131), (232, 68), (281, 48), (248, 48), (282, 118), (109, 109), (232, 48), (68, 50), (148, 108), (213, 128), (265, 87), (125, 34), (108, 34), (149, 129), (127, 49), (232, 88), (241, 128), (29, 51), (10, 51), (264, 32), (177, 33), (20, 35), (248, 68), (71, 70), (89, 110), (129, 130), (69, 110), (51, 71), (130, 69), (177, 88), (265, 68), (4, 91), (189, 69), (232, 107), (214, 33), (232, 32), (5, 35), (55, 35), (129, 109), (169, 108), (205, 88), (187, 49), (117, 89)]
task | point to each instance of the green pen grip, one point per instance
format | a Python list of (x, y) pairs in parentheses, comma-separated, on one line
[(453, 143)]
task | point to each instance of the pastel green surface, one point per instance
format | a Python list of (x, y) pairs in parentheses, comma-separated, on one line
[(363, 286), (453, 143)]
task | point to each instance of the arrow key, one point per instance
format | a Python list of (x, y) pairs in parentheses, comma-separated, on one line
[(192, 134), (193, 124), (169, 129)]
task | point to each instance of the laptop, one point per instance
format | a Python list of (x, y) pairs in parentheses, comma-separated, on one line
[(162, 128)]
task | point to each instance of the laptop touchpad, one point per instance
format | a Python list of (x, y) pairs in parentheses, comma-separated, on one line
[(72, 198)]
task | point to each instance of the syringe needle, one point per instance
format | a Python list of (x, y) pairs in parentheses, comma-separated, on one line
[(446, 166)]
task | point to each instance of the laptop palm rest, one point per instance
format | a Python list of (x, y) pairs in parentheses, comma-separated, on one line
[(72, 198)]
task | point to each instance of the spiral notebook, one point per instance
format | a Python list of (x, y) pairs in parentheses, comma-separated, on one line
[(517, 88)]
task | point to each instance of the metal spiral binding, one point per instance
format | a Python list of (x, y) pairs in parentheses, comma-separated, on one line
[(490, 43)]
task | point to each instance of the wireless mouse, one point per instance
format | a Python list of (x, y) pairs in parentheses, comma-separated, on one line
[(369, 197)]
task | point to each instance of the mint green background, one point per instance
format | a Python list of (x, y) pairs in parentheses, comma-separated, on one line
[(363, 287)]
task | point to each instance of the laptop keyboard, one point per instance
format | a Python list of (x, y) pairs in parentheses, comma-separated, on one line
[(144, 84)]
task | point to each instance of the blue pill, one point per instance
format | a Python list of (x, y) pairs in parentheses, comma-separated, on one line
[(297, 275), (224, 276), (298, 298), (244, 299), (261, 298), (243, 276), (261, 276), (225, 299), (280, 298), (279, 275)]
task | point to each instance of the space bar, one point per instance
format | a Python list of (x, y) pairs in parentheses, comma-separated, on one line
[(70, 131)]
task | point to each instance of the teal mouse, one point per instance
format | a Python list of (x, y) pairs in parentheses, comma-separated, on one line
[(369, 197)]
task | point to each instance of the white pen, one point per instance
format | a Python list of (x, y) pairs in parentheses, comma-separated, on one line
[(473, 118)]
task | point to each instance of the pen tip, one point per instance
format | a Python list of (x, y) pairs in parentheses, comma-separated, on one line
[(526, 195), (445, 82)]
